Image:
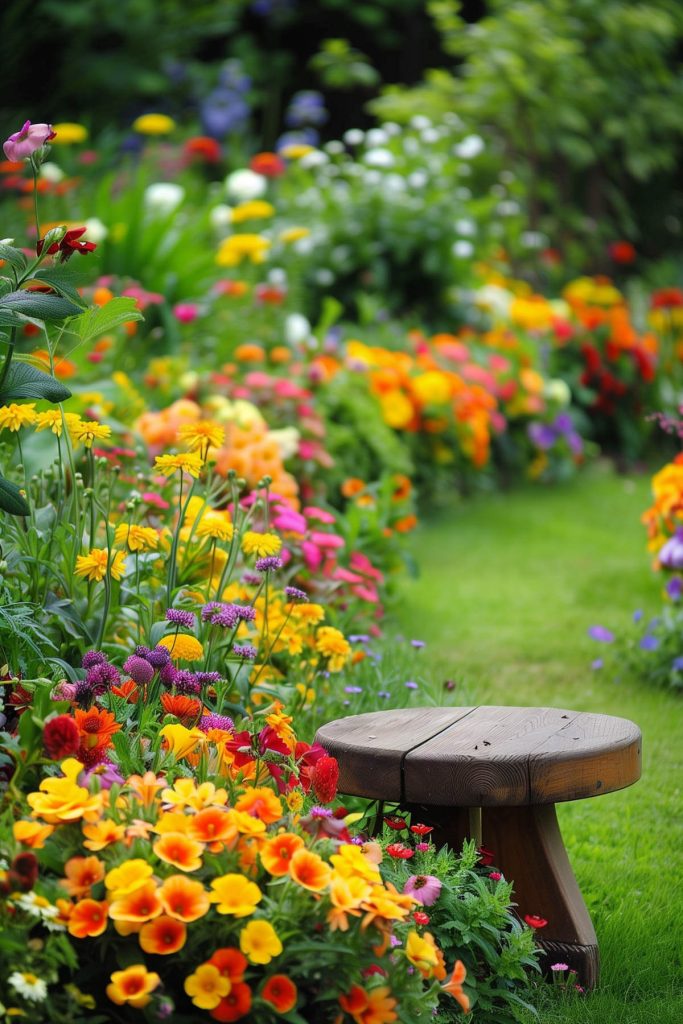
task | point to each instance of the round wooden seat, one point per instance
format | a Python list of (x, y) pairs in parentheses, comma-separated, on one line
[(494, 774), (483, 756)]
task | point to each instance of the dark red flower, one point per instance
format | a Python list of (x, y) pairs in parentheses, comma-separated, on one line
[(324, 779), (368, 972), (61, 737), (400, 851), (666, 298), (419, 917), (486, 857), (68, 245), (394, 822), (534, 921), (421, 830), (23, 872), (622, 252)]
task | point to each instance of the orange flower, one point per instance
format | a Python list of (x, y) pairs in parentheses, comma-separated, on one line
[(96, 727), (235, 1005), (250, 352), (139, 906), (179, 850), (31, 833), (163, 936), (101, 834), (82, 873), (373, 1007), (127, 689), (281, 992), (88, 918), (277, 853), (402, 486), (261, 803), (309, 870), (186, 709), (352, 486), (132, 986), (214, 826), (145, 787), (230, 962), (454, 986), (184, 898)]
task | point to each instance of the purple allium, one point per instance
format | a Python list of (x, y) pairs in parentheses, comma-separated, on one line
[(268, 564), (246, 651), (251, 579), (92, 658), (84, 692), (209, 609), (167, 674), (602, 635), (294, 594), (103, 676), (142, 652), (674, 588), (139, 670), (411, 685), (206, 678), (186, 683), (649, 642), (213, 721), (160, 657), (180, 617), (425, 888)]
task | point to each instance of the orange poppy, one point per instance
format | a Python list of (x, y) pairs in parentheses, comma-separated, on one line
[(82, 873), (145, 787), (236, 1004), (127, 689), (213, 825), (102, 833), (231, 963), (454, 986), (184, 898), (96, 727), (281, 992), (261, 803), (163, 936), (309, 870), (277, 853), (88, 918), (179, 850), (141, 905)]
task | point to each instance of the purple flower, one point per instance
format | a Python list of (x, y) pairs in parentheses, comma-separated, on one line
[(411, 685), (575, 442), (321, 812), (142, 652), (168, 674), (638, 614), (677, 664), (306, 108), (671, 555), (91, 658), (101, 677), (246, 651), (353, 689), (425, 888), (160, 657), (674, 588), (559, 967), (210, 608), (597, 664), (205, 678), (269, 564), (358, 638), (186, 683), (294, 594), (417, 644), (83, 692), (181, 618), (251, 579), (223, 111), (139, 670), (542, 435), (28, 140), (213, 721), (602, 635), (649, 642), (563, 422), (383, 693), (106, 773)]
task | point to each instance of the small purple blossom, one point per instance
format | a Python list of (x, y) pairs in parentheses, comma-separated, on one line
[(246, 651), (206, 678), (180, 617), (83, 692), (294, 594), (139, 670), (168, 674), (359, 638), (601, 634), (649, 642), (106, 773), (597, 664), (559, 967), (213, 721), (251, 579), (671, 555), (638, 614), (268, 564), (92, 658), (353, 689), (411, 685), (142, 652), (160, 657), (674, 588), (209, 609), (383, 693), (417, 644), (321, 812), (186, 683), (677, 664)]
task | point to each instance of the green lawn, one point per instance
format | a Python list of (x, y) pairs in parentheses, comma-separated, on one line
[(509, 585)]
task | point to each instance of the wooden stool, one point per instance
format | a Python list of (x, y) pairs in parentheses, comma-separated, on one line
[(494, 774)]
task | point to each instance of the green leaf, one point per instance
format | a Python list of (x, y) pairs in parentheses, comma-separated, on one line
[(25, 381), (100, 320), (62, 280), (14, 257), (11, 500), (44, 307)]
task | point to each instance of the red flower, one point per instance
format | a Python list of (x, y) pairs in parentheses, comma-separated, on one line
[(400, 851), (486, 857), (534, 921), (495, 876), (203, 148), (666, 298), (622, 252), (393, 821), (421, 830), (270, 165), (68, 245), (324, 779), (419, 917), (61, 737), (23, 872)]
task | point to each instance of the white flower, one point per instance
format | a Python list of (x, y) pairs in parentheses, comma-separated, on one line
[(379, 158), (287, 440), (163, 196), (533, 239), (95, 230), (508, 208), (28, 985), (418, 179), (462, 249), (220, 217), (245, 184), (465, 227), (297, 329), (334, 147), (419, 122), (411, 146), (557, 390), (51, 172), (493, 298), (391, 128), (353, 137), (324, 277), (316, 158), (376, 137), (430, 136), (469, 147), (394, 183), (372, 178), (463, 193), (278, 276)]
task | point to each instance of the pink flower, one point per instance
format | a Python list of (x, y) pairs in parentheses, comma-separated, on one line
[(425, 888), (313, 512), (30, 139), (559, 967), (495, 876), (186, 312)]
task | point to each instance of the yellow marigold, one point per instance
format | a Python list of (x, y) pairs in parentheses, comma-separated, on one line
[(182, 647), (293, 234), (259, 942), (67, 133), (137, 538), (236, 248), (207, 986), (334, 646), (202, 435), (397, 410), (262, 545), (50, 420), (235, 895), (154, 124), (308, 612), (185, 462), (215, 525), (431, 388), (254, 209), (93, 566), (14, 417)]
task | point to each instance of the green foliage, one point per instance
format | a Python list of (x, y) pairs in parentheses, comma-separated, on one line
[(340, 66)]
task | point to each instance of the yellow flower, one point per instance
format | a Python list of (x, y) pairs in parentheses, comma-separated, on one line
[(260, 544), (186, 462), (128, 877), (334, 646), (182, 741), (296, 150), (61, 799), (253, 209), (215, 525), (14, 417), (182, 646), (236, 895), (293, 234), (207, 986), (133, 986), (308, 613), (236, 248), (203, 434), (137, 538), (259, 942), (186, 793), (397, 410), (50, 420), (422, 953), (31, 833), (88, 431), (67, 132), (153, 124), (432, 388), (93, 566)]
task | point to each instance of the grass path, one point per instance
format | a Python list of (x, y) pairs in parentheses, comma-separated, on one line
[(509, 585)]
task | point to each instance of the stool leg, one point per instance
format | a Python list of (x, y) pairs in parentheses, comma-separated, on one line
[(529, 850)]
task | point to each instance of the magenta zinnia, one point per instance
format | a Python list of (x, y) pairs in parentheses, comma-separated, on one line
[(425, 888)]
